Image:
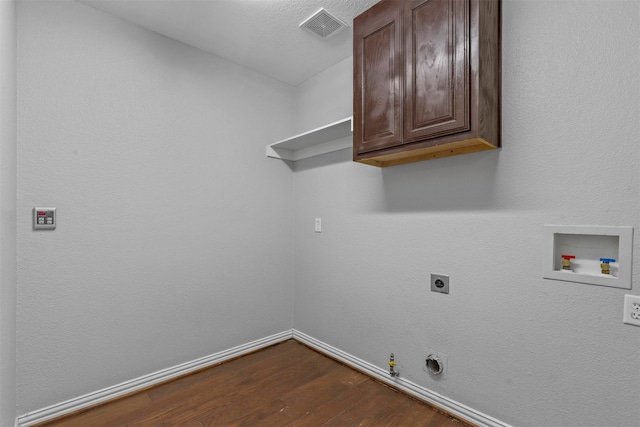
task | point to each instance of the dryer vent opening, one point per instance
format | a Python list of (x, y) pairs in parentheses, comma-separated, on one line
[(434, 365)]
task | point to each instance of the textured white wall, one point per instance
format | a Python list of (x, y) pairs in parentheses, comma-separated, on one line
[(325, 98), (7, 212), (528, 351), (174, 230)]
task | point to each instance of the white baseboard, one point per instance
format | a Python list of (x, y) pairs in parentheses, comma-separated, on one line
[(422, 393), (128, 387), (145, 381)]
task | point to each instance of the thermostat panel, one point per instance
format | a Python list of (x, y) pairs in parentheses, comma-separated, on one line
[(44, 218)]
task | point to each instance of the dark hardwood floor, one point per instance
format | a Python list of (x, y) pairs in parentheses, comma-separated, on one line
[(287, 384)]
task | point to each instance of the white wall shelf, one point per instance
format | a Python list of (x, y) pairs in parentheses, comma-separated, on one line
[(588, 244), (332, 137)]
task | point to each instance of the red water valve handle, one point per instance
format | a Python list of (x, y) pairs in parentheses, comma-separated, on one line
[(568, 256)]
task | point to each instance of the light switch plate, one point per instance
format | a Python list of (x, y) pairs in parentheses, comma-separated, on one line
[(44, 218)]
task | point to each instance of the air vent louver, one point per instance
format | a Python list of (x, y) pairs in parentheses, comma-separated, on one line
[(323, 24)]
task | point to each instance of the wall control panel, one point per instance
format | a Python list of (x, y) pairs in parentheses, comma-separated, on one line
[(44, 218)]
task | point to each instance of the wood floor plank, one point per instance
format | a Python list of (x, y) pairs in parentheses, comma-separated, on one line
[(153, 421), (284, 352), (381, 409), (113, 414), (300, 406), (152, 418), (325, 411), (303, 400), (213, 393), (254, 417), (252, 389), (263, 391), (287, 384)]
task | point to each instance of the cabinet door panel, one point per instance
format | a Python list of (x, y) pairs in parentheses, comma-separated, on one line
[(378, 78), (436, 68)]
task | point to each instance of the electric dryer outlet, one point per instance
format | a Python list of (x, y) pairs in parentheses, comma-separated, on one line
[(440, 283)]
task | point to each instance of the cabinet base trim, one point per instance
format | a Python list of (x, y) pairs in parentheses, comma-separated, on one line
[(450, 149)]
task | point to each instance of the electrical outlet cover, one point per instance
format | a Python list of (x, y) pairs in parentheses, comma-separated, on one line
[(440, 283), (632, 310)]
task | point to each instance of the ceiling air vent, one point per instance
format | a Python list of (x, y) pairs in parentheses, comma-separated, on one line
[(323, 24)]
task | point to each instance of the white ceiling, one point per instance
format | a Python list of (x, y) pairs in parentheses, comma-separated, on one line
[(263, 35)]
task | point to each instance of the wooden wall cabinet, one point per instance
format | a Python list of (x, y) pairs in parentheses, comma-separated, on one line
[(427, 77)]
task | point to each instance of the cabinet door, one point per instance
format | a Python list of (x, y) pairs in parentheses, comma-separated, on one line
[(436, 37), (377, 102)]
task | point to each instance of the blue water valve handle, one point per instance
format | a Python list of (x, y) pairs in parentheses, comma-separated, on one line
[(607, 260)]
